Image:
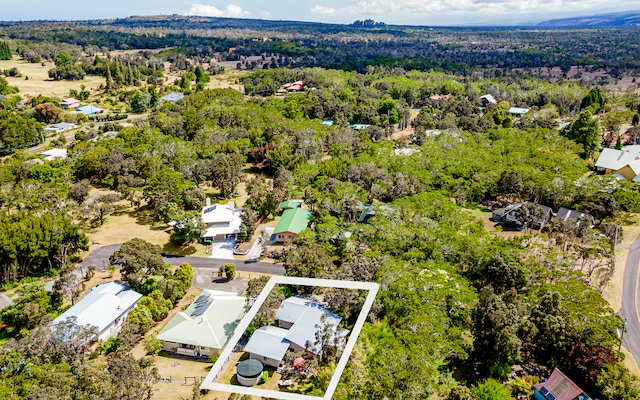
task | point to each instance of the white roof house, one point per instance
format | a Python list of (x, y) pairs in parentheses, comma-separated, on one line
[(303, 318), (518, 111), (59, 127), (222, 220), (206, 325), (105, 307), (173, 97), (53, 154), (488, 99), (268, 344), (625, 162)]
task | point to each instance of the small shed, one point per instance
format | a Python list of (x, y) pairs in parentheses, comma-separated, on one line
[(249, 372)]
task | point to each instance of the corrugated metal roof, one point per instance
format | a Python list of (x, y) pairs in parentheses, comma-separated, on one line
[(268, 341), (315, 319), (209, 320), (100, 307), (560, 387), (294, 220)]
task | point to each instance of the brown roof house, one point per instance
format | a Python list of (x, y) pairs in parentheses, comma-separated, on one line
[(558, 387)]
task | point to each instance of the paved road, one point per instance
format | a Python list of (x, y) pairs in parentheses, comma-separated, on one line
[(630, 300), (100, 259)]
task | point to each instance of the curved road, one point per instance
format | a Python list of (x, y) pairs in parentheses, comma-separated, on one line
[(100, 259), (630, 299)]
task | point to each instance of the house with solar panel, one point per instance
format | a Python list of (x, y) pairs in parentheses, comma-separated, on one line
[(205, 326), (222, 221), (302, 326), (559, 387)]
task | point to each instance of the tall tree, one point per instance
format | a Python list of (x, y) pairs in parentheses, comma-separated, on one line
[(139, 260), (585, 130)]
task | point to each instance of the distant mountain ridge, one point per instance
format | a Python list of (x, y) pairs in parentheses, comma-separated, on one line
[(609, 20)]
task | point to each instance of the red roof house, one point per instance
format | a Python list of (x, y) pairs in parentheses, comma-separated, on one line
[(559, 387)]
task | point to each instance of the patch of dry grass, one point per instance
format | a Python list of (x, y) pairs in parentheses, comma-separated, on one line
[(39, 82)]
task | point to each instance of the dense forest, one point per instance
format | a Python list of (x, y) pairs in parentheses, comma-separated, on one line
[(458, 305)]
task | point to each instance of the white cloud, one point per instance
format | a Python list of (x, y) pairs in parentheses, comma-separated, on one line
[(232, 11), (322, 10)]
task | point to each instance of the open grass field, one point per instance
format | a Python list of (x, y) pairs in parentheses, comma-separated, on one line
[(39, 82)]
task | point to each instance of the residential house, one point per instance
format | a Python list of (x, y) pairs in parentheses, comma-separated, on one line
[(205, 326), (359, 127), (558, 387), (304, 318), (488, 99), (268, 345), (69, 103), (518, 111), (625, 162), (173, 97), (289, 204), (566, 214), (24, 102), (54, 154), (222, 221), (89, 110), (508, 216), (106, 307), (292, 222), (299, 321), (440, 96), (59, 127), (366, 213)]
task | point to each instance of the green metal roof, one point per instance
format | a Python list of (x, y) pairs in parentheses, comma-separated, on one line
[(293, 220), (289, 204)]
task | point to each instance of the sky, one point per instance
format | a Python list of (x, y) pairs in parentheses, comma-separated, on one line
[(397, 12)]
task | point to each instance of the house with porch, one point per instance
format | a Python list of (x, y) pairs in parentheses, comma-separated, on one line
[(205, 326), (105, 306), (558, 387), (222, 221), (292, 222)]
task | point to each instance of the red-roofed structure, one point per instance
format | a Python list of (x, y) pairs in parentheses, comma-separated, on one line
[(559, 387)]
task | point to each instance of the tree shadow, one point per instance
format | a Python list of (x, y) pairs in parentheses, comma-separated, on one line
[(174, 250)]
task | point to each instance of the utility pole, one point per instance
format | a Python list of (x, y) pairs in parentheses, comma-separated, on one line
[(624, 329)]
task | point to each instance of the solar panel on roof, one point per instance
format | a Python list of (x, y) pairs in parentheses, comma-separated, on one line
[(209, 209), (550, 396), (201, 308), (544, 390)]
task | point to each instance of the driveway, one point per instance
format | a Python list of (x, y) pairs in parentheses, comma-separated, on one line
[(223, 249)]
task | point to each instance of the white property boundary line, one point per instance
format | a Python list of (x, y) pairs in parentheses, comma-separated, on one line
[(209, 382)]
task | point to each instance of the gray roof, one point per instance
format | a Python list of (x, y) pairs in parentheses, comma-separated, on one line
[(100, 307), (303, 332), (565, 214), (269, 342), (291, 309), (63, 125), (306, 316), (250, 368)]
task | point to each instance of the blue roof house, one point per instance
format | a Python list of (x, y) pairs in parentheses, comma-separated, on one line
[(88, 110)]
